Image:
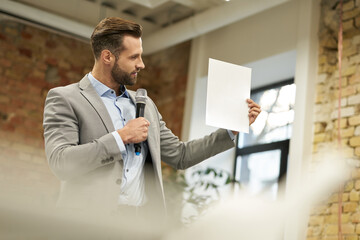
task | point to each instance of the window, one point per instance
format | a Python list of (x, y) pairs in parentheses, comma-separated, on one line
[(261, 155)]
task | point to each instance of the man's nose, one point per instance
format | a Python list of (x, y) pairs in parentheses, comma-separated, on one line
[(140, 65)]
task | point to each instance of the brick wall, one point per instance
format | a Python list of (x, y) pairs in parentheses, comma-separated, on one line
[(33, 60), (165, 78), (324, 218)]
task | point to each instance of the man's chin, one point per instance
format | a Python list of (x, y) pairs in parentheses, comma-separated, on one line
[(132, 82)]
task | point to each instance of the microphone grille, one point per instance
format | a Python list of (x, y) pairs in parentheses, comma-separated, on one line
[(141, 95)]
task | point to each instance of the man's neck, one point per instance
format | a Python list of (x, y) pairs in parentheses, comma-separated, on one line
[(106, 79)]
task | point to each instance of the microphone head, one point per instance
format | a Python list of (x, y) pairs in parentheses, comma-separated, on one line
[(141, 95)]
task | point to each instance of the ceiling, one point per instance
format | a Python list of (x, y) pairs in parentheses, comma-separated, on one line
[(165, 22), (152, 14)]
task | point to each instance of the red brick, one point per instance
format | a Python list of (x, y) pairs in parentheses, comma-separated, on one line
[(26, 35), (51, 61), (51, 44), (26, 52), (3, 37)]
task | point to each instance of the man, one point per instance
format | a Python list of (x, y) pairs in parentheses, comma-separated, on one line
[(90, 130)]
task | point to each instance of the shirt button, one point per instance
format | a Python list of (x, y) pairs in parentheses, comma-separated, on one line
[(127, 170)]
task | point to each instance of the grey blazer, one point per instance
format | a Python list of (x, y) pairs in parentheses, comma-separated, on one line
[(83, 154)]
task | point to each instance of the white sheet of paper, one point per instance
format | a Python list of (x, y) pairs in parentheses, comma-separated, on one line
[(228, 88)]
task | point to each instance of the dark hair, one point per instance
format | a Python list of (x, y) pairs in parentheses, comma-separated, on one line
[(109, 34)]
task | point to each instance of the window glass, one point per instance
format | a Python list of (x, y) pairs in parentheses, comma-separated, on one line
[(275, 120), (259, 172)]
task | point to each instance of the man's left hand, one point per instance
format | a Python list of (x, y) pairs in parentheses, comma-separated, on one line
[(254, 111)]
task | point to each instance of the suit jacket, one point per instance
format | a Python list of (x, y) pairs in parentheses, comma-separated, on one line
[(84, 155)]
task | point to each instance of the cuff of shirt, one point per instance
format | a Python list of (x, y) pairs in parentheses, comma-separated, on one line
[(232, 136), (120, 143)]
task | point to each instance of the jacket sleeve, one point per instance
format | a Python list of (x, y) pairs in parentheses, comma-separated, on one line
[(66, 156), (182, 155)]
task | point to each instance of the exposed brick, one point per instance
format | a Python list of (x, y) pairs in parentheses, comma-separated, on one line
[(354, 99), (330, 237), (355, 173), (4, 99), (334, 208), (343, 123), (51, 44), (351, 237), (355, 218), (350, 51), (348, 6), (321, 78), (354, 196), (345, 92), (316, 220), (345, 112), (319, 209), (356, 58), (357, 22), (323, 59), (348, 25), (347, 132), (331, 229), (354, 79), (351, 14), (350, 207), (26, 52), (354, 120), (26, 35), (333, 218), (357, 131), (343, 102), (321, 137), (357, 151), (51, 61), (313, 238), (349, 186), (348, 228), (357, 228), (355, 141)]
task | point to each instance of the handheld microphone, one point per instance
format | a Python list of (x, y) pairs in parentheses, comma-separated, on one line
[(140, 99)]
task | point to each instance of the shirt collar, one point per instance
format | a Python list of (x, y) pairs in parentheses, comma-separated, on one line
[(101, 88)]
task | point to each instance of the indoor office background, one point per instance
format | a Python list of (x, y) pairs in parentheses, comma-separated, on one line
[(291, 46)]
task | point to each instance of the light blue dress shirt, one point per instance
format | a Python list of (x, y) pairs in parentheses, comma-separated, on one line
[(121, 110)]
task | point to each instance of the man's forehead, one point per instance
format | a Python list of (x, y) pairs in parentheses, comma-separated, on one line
[(132, 44)]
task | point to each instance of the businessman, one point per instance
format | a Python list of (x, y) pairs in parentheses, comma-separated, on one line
[(90, 130)]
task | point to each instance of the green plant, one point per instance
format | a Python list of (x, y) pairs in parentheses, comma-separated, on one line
[(204, 189)]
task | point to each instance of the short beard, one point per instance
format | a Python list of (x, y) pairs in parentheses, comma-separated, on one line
[(122, 77)]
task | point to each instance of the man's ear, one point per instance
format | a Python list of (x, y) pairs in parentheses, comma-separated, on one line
[(107, 57)]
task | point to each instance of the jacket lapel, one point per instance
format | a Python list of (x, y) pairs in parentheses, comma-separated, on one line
[(153, 139), (88, 91)]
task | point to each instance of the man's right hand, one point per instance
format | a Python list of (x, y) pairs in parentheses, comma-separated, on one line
[(135, 131)]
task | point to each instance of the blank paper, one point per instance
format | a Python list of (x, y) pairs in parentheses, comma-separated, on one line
[(228, 87)]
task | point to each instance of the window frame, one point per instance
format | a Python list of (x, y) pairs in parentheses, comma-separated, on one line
[(282, 145)]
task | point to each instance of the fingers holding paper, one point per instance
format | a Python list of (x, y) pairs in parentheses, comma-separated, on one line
[(254, 110)]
